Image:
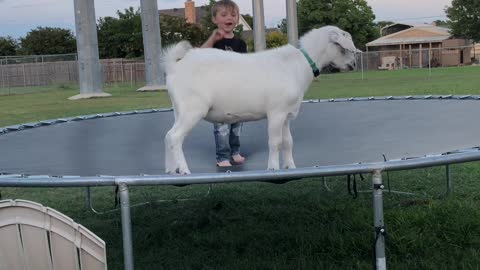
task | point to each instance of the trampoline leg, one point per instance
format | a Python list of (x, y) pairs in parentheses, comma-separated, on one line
[(379, 244), (126, 227), (88, 197), (449, 180)]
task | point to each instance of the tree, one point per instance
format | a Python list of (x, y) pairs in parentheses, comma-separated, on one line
[(249, 19), (48, 40), (121, 37), (8, 46), (174, 29), (464, 18), (206, 22), (353, 16), (283, 26), (276, 39), (441, 23)]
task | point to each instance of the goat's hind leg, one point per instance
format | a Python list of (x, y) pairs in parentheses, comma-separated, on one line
[(275, 129), (175, 162), (287, 147)]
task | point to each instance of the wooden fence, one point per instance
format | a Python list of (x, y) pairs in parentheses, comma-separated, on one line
[(51, 73)]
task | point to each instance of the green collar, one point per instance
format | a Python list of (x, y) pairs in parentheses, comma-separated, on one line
[(314, 67)]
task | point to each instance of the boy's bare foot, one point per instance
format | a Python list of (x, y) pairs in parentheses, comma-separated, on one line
[(238, 159), (224, 163)]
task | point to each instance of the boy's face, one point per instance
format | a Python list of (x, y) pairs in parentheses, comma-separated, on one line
[(226, 19)]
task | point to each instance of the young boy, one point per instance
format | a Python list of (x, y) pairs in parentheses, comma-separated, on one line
[(225, 15)]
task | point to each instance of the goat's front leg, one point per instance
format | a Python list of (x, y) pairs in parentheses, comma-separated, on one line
[(275, 127), (175, 162), (287, 147)]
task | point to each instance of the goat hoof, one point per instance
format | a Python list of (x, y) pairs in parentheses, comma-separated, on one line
[(183, 171), (175, 171)]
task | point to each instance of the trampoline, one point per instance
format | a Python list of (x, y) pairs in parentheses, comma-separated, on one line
[(326, 132), (331, 137)]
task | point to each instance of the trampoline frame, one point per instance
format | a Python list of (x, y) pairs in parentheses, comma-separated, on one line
[(123, 183)]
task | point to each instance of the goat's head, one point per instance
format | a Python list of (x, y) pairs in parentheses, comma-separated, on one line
[(340, 49)]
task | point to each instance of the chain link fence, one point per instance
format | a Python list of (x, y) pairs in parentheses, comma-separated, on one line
[(417, 58)]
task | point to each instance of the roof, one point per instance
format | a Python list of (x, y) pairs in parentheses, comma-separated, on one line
[(180, 12), (415, 34)]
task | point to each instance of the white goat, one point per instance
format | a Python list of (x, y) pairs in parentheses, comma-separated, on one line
[(228, 87)]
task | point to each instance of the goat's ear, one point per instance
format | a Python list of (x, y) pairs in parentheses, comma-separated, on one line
[(334, 37)]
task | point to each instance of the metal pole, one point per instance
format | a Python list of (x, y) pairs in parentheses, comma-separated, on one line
[(430, 62), (88, 198), (126, 227), (43, 73), (449, 181), (24, 77), (3, 77), (122, 70), (131, 75), (361, 62), (90, 78), (152, 44), (258, 25), (292, 23), (380, 260), (115, 72)]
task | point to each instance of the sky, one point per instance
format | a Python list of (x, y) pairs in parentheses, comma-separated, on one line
[(17, 17)]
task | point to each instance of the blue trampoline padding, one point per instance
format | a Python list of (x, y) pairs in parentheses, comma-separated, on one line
[(327, 133)]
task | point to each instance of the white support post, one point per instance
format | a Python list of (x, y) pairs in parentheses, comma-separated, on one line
[(154, 73), (89, 70), (258, 25), (292, 23)]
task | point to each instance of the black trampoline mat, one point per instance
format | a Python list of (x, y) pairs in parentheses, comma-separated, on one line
[(326, 133)]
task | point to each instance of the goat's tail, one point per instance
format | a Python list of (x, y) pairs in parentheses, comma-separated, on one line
[(175, 53)]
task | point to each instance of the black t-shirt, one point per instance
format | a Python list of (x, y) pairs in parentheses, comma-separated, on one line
[(231, 44)]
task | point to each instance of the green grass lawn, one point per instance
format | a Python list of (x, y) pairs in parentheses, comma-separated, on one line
[(297, 225)]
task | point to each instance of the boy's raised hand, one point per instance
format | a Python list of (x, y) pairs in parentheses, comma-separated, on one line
[(217, 34)]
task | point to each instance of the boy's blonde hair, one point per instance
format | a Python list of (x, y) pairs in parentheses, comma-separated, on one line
[(226, 4)]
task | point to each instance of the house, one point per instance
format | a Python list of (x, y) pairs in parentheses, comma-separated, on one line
[(195, 14), (417, 46)]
